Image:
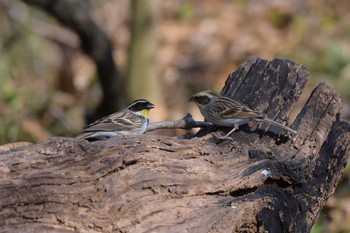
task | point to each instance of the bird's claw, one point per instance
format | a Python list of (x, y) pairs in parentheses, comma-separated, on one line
[(217, 136)]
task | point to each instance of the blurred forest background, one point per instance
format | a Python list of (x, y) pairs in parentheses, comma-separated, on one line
[(57, 68)]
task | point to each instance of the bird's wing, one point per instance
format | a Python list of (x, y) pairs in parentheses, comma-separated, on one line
[(119, 121), (229, 108)]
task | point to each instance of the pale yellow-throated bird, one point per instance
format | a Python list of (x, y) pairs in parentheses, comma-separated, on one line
[(224, 111), (130, 121)]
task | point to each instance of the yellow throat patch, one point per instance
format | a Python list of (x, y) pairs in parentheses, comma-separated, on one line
[(144, 112)]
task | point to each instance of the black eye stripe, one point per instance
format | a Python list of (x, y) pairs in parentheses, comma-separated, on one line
[(139, 105), (202, 99)]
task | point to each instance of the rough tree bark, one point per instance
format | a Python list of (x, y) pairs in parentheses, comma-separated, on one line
[(260, 181)]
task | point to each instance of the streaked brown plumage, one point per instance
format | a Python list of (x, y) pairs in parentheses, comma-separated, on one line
[(224, 111), (131, 121)]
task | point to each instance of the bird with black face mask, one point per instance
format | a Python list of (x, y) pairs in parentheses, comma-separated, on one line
[(130, 121)]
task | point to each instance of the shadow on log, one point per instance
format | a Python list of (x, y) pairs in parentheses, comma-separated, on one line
[(261, 181)]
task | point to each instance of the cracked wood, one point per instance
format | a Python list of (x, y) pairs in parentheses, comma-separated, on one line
[(261, 181)]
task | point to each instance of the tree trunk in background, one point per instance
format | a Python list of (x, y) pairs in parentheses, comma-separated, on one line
[(75, 15), (143, 79), (261, 181)]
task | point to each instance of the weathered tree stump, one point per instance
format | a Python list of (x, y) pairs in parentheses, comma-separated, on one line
[(261, 181)]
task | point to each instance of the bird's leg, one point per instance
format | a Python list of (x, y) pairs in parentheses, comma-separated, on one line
[(218, 136)]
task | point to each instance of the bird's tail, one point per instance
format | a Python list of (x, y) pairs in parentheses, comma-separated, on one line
[(98, 135), (272, 122), (84, 136)]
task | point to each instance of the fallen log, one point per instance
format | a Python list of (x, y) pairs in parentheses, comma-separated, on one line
[(261, 181)]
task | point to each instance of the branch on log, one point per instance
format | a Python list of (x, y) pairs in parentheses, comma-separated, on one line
[(259, 182), (186, 122)]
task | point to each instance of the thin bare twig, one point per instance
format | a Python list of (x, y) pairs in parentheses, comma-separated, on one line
[(185, 123)]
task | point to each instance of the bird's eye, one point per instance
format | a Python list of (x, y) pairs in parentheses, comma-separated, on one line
[(203, 99)]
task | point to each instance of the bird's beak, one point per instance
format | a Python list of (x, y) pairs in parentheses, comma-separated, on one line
[(150, 106), (191, 99)]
